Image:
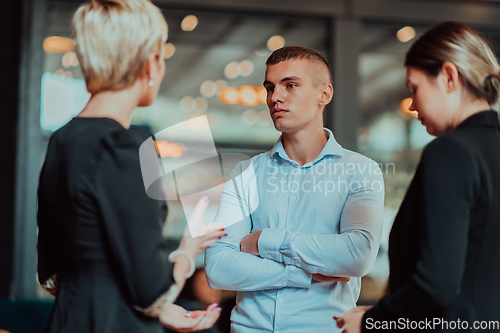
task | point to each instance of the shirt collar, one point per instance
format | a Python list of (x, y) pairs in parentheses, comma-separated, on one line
[(332, 147)]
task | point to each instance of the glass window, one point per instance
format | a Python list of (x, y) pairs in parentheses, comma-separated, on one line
[(215, 66), (388, 133)]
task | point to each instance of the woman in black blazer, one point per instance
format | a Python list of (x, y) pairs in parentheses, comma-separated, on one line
[(444, 246), (100, 245)]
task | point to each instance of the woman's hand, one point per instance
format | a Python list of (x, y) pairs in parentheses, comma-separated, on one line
[(174, 317), (197, 237), (324, 278), (351, 320)]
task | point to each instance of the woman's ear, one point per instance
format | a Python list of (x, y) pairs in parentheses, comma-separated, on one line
[(326, 94), (151, 66), (450, 76)]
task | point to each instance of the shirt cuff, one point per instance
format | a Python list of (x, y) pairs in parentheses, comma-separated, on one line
[(269, 243), (297, 277)]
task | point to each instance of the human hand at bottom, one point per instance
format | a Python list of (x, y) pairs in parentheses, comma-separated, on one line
[(351, 320), (174, 317)]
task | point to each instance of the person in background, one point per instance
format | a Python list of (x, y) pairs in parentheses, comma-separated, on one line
[(100, 246), (319, 214), (444, 250)]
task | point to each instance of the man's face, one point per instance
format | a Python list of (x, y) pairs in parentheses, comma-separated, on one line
[(292, 98)]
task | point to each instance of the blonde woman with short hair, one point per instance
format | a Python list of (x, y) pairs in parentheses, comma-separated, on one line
[(100, 248), (443, 249)]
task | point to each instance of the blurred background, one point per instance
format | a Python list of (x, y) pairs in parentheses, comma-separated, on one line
[(215, 65)]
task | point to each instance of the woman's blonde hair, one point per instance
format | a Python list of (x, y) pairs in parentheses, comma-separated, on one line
[(464, 47), (113, 39)]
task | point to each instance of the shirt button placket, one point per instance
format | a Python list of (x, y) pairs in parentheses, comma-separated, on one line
[(295, 185), (290, 195), (278, 311)]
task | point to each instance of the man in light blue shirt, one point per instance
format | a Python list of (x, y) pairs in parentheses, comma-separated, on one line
[(313, 212)]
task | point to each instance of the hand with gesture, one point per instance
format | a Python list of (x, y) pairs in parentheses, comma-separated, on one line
[(197, 237), (350, 321), (180, 320)]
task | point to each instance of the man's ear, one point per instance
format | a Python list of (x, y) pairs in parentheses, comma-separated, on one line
[(449, 76), (326, 94)]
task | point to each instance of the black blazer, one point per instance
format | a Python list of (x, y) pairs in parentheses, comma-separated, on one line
[(444, 246), (99, 230)]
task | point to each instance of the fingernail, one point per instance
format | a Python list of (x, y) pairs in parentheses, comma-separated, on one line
[(205, 198), (225, 234)]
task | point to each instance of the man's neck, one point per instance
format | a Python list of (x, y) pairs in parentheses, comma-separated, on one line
[(305, 145)]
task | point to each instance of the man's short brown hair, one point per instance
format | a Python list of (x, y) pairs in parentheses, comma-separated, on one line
[(300, 53)]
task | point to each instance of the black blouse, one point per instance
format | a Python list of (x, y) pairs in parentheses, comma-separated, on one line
[(444, 247), (99, 230)]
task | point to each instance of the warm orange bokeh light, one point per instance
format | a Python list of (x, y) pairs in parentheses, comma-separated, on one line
[(169, 50), (57, 44), (405, 106), (275, 42), (169, 149), (248, 96), (189, 23), (406, 34), (156, 147), (229, 95), (244, 95)]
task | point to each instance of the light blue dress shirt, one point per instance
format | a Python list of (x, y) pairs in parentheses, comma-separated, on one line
[(323, 217)]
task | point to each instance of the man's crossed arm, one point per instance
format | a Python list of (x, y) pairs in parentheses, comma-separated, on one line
[(277, 258)]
